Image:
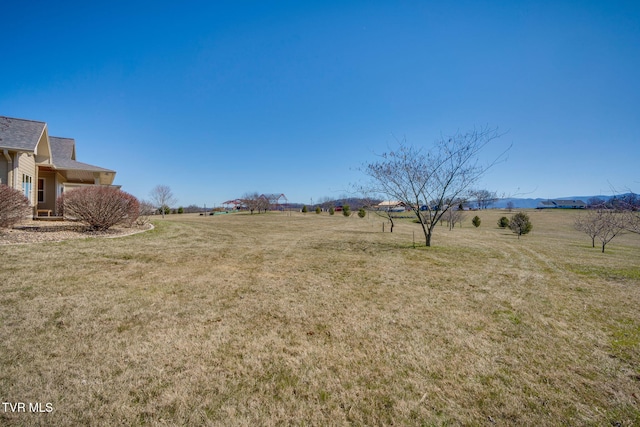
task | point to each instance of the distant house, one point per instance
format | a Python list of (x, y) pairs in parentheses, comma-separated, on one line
[(43, 167), (392, 206), (562, 204)]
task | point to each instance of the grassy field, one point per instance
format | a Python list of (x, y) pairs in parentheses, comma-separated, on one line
[(279, 319)]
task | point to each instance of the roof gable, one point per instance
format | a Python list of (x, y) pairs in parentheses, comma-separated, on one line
[(20, 134), (63, 155), (62, 148)]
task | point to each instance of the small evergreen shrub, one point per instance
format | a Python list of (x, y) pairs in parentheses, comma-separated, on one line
[(503, 222), (362, 213), (304, 209), (332, 211), (318, 210), (346, 210), (520, 224), (476, 221)]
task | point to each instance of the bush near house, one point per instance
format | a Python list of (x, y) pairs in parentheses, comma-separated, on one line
[(13, 206), (100, 207)]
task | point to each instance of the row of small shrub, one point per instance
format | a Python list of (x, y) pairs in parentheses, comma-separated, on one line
[(346, 211), (519, 223)]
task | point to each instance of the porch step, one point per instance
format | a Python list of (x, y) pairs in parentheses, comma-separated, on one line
[(48, 218)]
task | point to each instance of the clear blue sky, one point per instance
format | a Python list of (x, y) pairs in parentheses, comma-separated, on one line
[(216, 99)]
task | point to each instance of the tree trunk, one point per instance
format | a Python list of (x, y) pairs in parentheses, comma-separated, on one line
[(427, 234)]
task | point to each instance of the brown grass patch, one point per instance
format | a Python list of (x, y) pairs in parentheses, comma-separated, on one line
[(316, 319)]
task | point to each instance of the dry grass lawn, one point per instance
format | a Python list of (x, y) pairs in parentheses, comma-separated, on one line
[(279, 319)]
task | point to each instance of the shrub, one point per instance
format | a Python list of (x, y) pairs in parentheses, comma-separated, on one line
[(304, 209), (100, 207), (13, 206), (180, 210), (332, 211), (346, 210), (318, 210), (503, 222), (362, 213), (146, 210), (520, 224), (476, 221)]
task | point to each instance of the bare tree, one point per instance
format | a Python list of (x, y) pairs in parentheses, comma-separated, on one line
[(14, 206), (251, 201), (595, 202), (632, 221), (264, 203), (630, 205), (603, 224), (484, 198), (432, 179), (455, 216), (162, 197), (611, 224), (590, 224), (146, 210)]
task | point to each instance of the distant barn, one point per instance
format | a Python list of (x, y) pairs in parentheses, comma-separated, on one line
[(562, 204)]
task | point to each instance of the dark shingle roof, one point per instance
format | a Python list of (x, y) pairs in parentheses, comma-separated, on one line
[(20, 134), (63, 156), (23, 135)]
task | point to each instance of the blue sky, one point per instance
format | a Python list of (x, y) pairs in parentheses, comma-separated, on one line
[(216, 99)]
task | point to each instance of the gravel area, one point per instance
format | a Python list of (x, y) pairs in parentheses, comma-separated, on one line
[(44, 231)]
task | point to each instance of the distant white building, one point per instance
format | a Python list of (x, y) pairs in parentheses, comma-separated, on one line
[(562, 204), (392, 206)]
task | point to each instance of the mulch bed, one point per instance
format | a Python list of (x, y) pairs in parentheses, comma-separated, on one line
[(36, 232)]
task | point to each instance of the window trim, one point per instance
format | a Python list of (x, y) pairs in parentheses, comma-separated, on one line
[(41, 191), (27, 186)]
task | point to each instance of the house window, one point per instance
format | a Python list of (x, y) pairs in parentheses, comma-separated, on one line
[(40, 190), (27, 183)]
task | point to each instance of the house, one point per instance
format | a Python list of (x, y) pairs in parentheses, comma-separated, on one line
[(392, 206), (43, 167), (562, 204)]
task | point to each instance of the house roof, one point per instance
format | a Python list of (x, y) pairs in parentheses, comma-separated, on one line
[(63, 156), (20, 134), (391, 203), (557, 203), (569, 202), (24, 135)]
